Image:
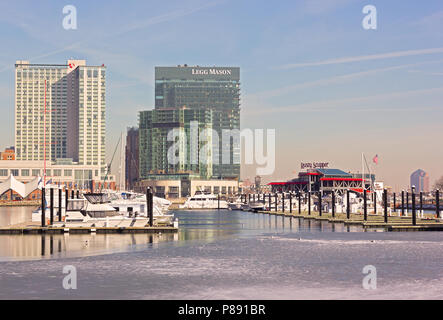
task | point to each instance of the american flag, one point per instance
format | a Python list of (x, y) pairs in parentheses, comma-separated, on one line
[(375, 159)]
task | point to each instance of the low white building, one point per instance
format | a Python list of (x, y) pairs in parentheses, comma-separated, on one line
[(171, 189), (68, 174)]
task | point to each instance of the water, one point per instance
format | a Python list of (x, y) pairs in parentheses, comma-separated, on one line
[(14, 215), (227, 255)]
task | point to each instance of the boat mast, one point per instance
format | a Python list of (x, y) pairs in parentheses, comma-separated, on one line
[(363, 174), (122, 175)]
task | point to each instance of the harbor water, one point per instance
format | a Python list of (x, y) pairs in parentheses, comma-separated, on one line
[(225, 255)]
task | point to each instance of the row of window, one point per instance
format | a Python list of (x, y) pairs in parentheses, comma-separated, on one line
[(79, 174)]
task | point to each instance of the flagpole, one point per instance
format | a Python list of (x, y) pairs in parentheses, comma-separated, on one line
[(363, 174)]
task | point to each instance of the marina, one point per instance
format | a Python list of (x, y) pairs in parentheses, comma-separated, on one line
[(222, 254), (97, 213), (348, 210)]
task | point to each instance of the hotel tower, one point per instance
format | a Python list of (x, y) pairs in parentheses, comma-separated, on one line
[(68, 102)]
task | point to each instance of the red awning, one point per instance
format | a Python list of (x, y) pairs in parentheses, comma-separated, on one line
[(341, 179), (360, 190)]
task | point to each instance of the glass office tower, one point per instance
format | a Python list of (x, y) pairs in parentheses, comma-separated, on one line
[(184, 95)]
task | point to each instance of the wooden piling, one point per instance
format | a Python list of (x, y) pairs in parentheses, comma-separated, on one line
[(365, 206), (414, 218), (290, 202), (309, 202), (149, 206), (348, 208), (60, 204), (51, 210), (403, 202), (66, 199), (333, 204), (299, 203), (283, 202), (43, 207)]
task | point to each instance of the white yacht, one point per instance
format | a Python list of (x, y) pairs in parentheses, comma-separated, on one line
[(134, 204), (109, 206), (204, 200), (235, 205)]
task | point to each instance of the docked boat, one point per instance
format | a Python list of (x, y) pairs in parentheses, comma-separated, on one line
[(204, 200), (101, 207), (135, 203), (235, 205), (256, 206)]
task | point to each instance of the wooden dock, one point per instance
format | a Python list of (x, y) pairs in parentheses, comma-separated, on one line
[(395, 223), (34, 228)]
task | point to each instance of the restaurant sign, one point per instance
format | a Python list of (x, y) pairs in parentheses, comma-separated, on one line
[(314, 165)]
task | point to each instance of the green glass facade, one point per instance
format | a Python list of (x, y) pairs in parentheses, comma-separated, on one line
[(186, 95)]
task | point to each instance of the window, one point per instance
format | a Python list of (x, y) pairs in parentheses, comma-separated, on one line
[(78, 174), (67, 172), (25, 172), (35, 172), (57, 172), (3, 172), (14, 172)]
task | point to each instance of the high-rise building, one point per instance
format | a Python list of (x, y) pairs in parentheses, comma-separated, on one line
[(60, 110), (155, 125), (215, 92), (196, 102), (420, 180), (132, 157)]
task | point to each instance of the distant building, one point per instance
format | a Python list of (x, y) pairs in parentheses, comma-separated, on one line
[(325, 180), (420, 179), (8, 154), (198, 105), (214, 91), (132, 158)]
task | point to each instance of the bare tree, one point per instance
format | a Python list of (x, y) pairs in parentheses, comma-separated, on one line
[(439, 184)]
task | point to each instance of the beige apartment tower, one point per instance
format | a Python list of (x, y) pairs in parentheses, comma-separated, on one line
[(74, 116)]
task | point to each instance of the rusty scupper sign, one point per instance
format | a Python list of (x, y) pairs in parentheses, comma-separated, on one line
[(314, 165)]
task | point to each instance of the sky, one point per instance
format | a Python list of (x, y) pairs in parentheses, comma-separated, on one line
[(331, 89)]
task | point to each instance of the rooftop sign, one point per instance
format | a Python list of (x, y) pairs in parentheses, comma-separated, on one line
[(212, 71), (314, 165)]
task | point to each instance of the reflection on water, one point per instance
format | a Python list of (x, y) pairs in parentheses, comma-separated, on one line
[(205, 226), (212, 225), (65, 245), (15, 215)]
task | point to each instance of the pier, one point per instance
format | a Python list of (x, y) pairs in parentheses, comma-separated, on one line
[(313, 205), (35, 228), (54, 222)]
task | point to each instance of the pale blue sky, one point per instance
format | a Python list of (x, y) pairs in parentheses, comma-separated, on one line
[(308, 69)]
